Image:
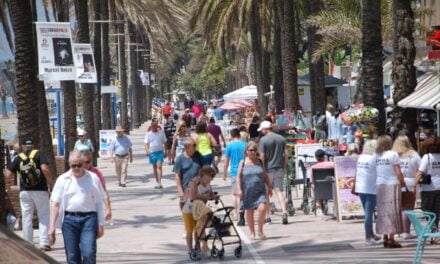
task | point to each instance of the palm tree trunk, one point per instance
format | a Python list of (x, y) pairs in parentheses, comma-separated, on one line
[(404, 71), (372, 76), (316, 68), (69, 109), (148, 97), (97, 54), (4, 109), (123, 75), (106, 98), (132, 76), (289, 53), (87, 89), (254, 28), (27, 106), (278, 64)]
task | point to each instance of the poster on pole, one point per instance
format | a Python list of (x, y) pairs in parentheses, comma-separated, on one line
[(300, 151), (105, 138), (345, 172), (55, 53), (84, 63)]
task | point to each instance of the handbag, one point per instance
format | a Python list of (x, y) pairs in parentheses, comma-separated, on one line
[(408, 199), (426, 177)]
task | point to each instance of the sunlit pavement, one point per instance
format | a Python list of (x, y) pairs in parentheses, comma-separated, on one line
[(147, 228)]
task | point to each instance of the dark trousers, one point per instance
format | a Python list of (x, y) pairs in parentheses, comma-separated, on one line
[(431, 203), (79, 234)]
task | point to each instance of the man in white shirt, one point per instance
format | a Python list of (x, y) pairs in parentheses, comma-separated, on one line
[(77, 206), (155, 144)]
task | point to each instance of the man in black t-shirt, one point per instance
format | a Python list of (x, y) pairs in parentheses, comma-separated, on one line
[(169, 129), (34, 180)]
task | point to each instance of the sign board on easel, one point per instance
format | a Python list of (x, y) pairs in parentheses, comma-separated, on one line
[(105, 138), (345, 172)]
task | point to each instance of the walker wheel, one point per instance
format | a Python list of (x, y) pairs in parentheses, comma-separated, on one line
[(238, 252), (214, 252), (306, 209), (195, 255)]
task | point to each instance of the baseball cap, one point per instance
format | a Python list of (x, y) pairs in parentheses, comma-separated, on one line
[(319, 153), (27, 142), (265, 124)]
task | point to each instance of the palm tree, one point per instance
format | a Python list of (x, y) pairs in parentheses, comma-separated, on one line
[(316, 67), (27, 106), (81, 8), (132, 76), (3, 95), (105, 71), (98, 58), (404, 71), (123, 73), (278, 60), (372, 75), (289, 53)]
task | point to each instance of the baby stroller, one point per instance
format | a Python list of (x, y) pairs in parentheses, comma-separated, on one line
[(220, 222)]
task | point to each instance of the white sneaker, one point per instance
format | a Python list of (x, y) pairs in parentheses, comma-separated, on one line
[(319, 212), (408, 236), (371, 242)]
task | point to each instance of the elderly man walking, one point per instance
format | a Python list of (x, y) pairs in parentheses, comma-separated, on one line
[(35, 175), (77, 206), (120, 153)]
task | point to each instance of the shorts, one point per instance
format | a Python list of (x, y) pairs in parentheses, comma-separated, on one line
[(169, 145), (166, 116), (157, 157), (188, 222), (207, 159), (217, 151), (276, 178)]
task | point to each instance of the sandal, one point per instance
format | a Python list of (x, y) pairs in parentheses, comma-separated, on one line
[(252, 236), (45, 248), (262, 236)]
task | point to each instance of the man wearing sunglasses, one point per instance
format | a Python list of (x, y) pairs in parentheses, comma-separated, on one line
[(77, 207)]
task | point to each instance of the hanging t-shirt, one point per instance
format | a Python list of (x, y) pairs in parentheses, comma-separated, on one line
[(155, 140), (366, 174), (409, 167), (431, 166), (385, 167)]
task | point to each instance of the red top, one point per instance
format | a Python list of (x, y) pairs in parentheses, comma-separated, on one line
[(100, 176), (166, 110)]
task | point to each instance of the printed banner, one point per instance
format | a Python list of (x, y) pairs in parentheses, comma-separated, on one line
[(55, 54), (105, 138), (345, 172), (84, 63)]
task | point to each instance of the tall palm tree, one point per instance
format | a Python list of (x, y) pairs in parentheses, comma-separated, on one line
[(98, 58), (278, 61), (132, 76), (372, 73), (27, 106), (106, 99), (83, 36), (123, 73), (316, 67), (404, 71)]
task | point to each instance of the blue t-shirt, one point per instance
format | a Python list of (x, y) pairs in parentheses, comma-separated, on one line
[(235, 153), (187, 168), (219, 113), (121, 145)]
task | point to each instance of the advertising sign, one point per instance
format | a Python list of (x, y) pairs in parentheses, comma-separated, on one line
[(300, 151), (105, 138), (84, 63), (55, 54), (345, 172)]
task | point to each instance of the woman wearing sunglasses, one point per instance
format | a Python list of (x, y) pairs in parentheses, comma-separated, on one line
[(252, 182)]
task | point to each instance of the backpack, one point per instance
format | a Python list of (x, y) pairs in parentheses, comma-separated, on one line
[(30, 176)]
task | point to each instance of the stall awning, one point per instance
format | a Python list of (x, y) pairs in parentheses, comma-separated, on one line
[(426, 94)]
